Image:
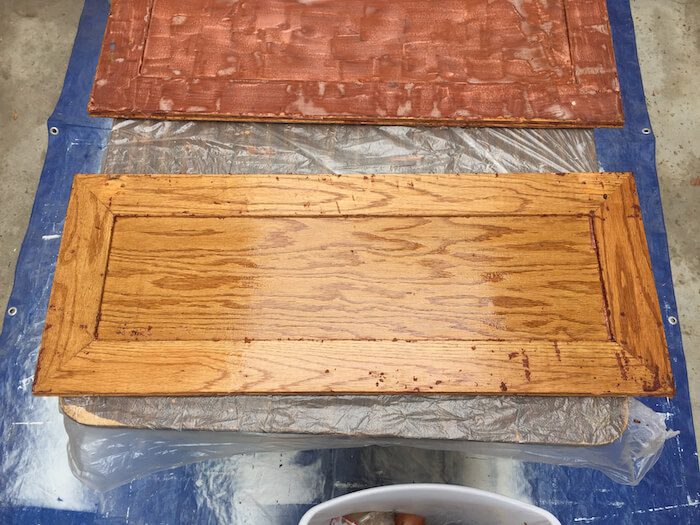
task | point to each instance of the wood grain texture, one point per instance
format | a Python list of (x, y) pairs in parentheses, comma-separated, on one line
[(632, 301), (85, 417), (216, 284), (471, 62), (435, 195), (353, 278), (339, 366), (74, 305)]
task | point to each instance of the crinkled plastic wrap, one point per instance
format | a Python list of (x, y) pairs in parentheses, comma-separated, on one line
[(147, 146), (557, 420), (104, 458), (206, 428)]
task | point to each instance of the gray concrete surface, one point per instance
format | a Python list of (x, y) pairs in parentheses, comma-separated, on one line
[(668, 43), (36, 37)]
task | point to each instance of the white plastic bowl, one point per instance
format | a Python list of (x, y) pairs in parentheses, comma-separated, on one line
[(439, 504)]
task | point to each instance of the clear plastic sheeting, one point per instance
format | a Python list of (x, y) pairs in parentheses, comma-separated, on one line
[(104, 458), (146, 146), (560, 420), (143, 146)]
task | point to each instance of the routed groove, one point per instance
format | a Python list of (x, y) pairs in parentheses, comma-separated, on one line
[(213, 284)]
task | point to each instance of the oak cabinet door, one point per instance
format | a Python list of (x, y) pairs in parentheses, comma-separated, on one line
[(463, 283)]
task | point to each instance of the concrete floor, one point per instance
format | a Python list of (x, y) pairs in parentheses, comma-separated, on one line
[(668, 42), (36, 37)]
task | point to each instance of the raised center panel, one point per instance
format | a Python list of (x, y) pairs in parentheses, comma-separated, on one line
[(474, 278), (474, 41)]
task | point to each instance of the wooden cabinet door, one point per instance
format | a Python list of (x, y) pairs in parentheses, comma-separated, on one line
[(453, 62), (488, 284)]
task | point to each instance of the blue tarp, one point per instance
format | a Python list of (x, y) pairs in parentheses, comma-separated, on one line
[(36, 485)]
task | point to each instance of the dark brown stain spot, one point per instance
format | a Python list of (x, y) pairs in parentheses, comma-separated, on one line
[(526, 365), (656, 384), (504, 387), (621, 366), (512, 355), (492, 277)]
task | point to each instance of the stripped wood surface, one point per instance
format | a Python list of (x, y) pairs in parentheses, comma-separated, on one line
[(341, 366), (434, 195), (216, 284), (71, 319), (469, 62), (632, 303), (352, 278)]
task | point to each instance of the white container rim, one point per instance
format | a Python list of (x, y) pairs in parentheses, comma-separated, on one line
[(349, 503)]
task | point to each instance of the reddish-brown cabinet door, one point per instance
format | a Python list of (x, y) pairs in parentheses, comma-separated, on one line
[(453, 62)]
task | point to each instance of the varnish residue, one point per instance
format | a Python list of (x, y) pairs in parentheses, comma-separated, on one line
[(365, 60)]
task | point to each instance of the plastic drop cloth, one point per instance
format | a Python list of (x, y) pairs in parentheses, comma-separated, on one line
[(148, 146), (104, 458), (560, 420), (107, 457)]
